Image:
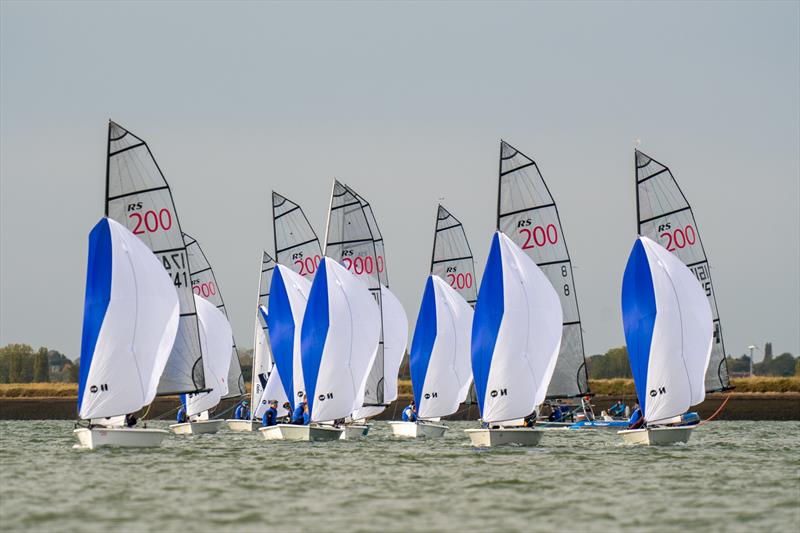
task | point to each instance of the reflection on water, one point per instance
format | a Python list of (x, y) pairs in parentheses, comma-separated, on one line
[(731, 476)]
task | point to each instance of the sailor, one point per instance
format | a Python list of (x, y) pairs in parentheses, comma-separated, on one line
[(618, 409), (181, 418), (242, 411), (270, 417), (557, 414), (130, 420), (636, 420), (299, 412), (306, 414), (287, 418), (410, 412)]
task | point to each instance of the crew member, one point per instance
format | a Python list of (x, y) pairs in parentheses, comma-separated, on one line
[(242, 411), (618, 409), (270, 417), (181, 418), (410, 412), (637, 420), (298, 414), (130, 420)]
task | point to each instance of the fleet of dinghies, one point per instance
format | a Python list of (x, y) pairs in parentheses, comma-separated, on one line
[(329, 336)]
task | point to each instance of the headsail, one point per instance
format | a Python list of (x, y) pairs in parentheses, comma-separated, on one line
[(349, 241), (665, 216), (204, 284), (527, 213), (139, 198), (516, 334), (262, 356), (452, 257), (130, 320), (668, 331), (296, 243)]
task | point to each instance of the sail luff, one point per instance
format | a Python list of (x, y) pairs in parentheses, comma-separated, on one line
[(266, 267)]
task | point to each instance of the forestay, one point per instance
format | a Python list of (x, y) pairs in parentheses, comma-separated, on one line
[(349, 241), (440, 351), (452, 257), (204, 284), (287, 303), (516, 334), (130, 319), (527, 213), (262, 356), (341, 328), (296, 243), (668, 331), (138, 197), (665, 216), (216, 338)]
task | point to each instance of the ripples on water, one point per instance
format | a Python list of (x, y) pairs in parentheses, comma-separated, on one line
[(732, 476)]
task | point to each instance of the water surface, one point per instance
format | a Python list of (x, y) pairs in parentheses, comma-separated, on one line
[(732, 476)]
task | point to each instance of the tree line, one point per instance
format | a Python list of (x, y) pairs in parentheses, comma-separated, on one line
[(20, 363)]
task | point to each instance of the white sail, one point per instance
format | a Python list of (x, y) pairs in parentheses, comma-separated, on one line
[(216, 339), (296, 243), (452, 256), (668, 330), (204, 284), (341, 328), (395, 334), (528, 215), (516, 334), (262, 356), (349, 241), (131, 315), (665, 216), (440, 352), (139, 198), (287, 304), (273, 391)]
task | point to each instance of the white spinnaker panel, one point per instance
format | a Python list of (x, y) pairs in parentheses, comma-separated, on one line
[(273, 391), (665, 216), (296, 243), (297, 289), (528, 215), (216, 338), (204, 284), (138, 197), (452, 256), (528, 340), (349, 346), (682, 336), (395, 334), (262, 357), (350, 242), (449, 373), (137, 328)]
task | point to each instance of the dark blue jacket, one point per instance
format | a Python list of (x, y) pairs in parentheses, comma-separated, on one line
[(242, 412), (270, 417), (409, 415), (181, 418), (618, 409), (636, 417), (297, 414)]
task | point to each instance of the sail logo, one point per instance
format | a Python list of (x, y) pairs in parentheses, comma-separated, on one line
[(326, 396), (103, 388), (300, 394), (524, 223), (297, 255), (496, 393), (654, 392), (665, 226), (133, 207), (429, 395), (452, 269)]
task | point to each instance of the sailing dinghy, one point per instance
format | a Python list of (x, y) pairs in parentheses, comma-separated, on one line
[(130, 321), (262, 356), (440, 354), (516, 337), (669, 333), (216, 339)]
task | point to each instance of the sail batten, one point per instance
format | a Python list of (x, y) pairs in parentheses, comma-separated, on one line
[(451, 258), (665, 216), (527, 213), (138, 197), (296, 244)]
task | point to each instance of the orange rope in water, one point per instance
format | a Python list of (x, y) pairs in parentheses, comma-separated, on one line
[(718, 411)]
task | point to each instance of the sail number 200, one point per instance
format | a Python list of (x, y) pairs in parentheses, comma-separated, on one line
[(539, 236), (150, 221)]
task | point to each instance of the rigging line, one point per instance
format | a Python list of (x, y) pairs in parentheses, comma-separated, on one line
[(718, 411)]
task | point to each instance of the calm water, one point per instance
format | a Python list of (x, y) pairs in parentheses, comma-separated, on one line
[(733, 476)]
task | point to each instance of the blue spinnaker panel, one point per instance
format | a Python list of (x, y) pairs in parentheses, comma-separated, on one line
[(281, 327), (315, 331), (638, 316), (424, 338)]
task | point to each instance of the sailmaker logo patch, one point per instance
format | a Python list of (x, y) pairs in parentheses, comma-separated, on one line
[(654, 392), (496, 393), (94, 388)]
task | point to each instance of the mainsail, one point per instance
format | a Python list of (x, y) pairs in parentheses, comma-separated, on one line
[(262, 357), (204, 284), (350, 242), (296, 243), (139, 198), (527, 213), (452, 257), (665, 216)]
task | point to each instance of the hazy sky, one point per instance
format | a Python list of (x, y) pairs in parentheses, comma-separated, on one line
[(406, 102)]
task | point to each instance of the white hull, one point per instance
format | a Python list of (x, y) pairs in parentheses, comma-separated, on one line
[(504, 436), (301, 433), (355, 431), (121, 437), (657, 436), (413, 430), (242, 425), (195, 428)]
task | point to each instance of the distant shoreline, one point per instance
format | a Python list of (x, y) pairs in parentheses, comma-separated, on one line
[(741, 406)]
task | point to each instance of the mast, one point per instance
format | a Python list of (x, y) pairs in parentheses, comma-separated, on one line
[(261, 369)]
